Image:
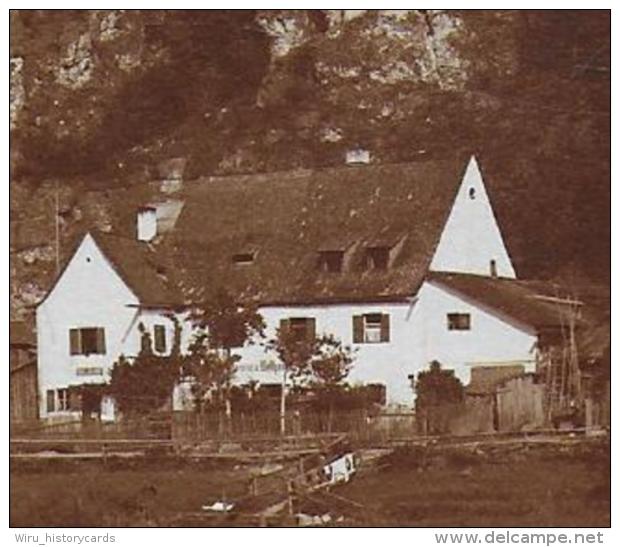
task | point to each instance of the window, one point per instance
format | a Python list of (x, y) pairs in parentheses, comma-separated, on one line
[(493, 268), (472, 193), (371, 328), (50, 397), (159, 334), (63, 399), (377, 258), (301, 328), (459, 321), (330, 261), (86, 341), (243, 258)]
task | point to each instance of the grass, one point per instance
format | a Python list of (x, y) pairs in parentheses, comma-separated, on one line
[(535, 486)]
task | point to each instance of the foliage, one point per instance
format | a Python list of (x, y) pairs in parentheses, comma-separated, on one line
[(223, 324), (145, 384), (226, 323), (437, 386)]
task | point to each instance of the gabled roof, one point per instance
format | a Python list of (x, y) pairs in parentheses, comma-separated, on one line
[(288, 217), (141, 267), (536, 304)]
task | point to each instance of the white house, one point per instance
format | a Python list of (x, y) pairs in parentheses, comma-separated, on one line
[(405, 262)]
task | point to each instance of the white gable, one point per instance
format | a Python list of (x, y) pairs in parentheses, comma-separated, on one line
[(471, 241)]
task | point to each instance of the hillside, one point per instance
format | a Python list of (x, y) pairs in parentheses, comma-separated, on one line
[(106, 102)]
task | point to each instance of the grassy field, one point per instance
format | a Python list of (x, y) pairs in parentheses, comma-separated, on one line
[(535, 486), (538, 486)]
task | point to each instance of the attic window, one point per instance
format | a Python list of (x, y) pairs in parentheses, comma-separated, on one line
[(377, 258), (493, 268), (459, 321), (243, 258), (472, 193), (330, 261)]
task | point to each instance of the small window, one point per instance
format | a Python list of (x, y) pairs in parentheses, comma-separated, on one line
[(472, 193), (87, 341), (301, 328), (330, 261), (459, 321), (159, 335), (243, 258), (50, 397), (493, 268), (371, 328), (377, 258), (63, 399)]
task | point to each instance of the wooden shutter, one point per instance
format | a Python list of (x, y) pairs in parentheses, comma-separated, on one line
[(310, 329), (100, 340), (358, 329), (160, 338), (284, 325), (74, 342), (385, 327), (51, 400)]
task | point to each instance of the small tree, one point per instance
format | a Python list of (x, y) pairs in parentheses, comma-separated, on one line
[(145, 384), (295, 353), (320, 362), (223, 324), (437, 390), (330, 367)]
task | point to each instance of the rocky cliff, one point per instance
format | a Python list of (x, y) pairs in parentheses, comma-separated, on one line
[(104, 101)]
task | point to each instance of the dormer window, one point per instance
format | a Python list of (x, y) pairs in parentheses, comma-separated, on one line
[(330, 261), (242, 259), (377, 258)]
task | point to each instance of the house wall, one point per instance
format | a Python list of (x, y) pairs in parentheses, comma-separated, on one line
[(88, 294), (471, 237), (491, 340), (418, 335)]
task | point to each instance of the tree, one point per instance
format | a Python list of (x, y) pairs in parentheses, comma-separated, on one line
[(320, 362), (295, 353), (145, 384), (222, 325), (437, 390), (330, 367)]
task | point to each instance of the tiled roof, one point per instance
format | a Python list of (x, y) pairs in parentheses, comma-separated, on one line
[(286, 218), (143, 269), (537, 304)]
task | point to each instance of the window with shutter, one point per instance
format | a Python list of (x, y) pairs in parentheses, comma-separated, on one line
[(86, 341), (159, 333), (302, 328), (371, 328)]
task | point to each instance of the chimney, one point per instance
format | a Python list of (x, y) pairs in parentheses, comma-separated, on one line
[(147, 223), (357, 156)]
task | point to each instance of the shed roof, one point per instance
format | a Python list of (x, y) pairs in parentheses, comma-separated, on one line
[(537, 304)]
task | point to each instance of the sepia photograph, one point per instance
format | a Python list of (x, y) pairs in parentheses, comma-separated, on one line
[(309, 268)]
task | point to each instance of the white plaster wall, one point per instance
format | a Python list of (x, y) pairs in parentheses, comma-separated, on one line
[(89, 294), (471, 237), (387, 363), (491, 339)]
